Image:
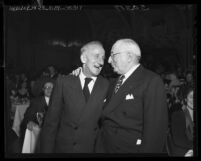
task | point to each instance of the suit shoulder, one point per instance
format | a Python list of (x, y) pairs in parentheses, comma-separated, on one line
[(150, 75), (66, 78)]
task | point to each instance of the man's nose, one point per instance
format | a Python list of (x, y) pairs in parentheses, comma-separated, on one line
[(109, 60), (101, 61)]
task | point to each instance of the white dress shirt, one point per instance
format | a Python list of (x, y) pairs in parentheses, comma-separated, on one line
[(130, 72), (191, 113), (91, 83), (47, 99)]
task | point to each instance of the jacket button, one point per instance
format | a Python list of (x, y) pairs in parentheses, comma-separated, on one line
[(76, 127), (74, 143)]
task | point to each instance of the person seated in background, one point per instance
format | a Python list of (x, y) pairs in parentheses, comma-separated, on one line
[(181, 128), (37, 109), (172, 85), (189, 78), (23, 77), (175, 101), (48, 72), (180, 71), (52, 72), (174, 81), (23, 92), (16, 80)]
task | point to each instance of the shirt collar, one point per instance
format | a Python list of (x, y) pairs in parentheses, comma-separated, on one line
[(82, 76), (47, 100), (131, 71)]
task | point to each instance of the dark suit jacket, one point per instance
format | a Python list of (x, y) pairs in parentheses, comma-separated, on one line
[(181, 137), (145, 117), (37, 105), (71, 124)]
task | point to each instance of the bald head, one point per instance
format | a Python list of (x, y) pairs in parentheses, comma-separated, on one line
[(128, 45), (91, 45), (125, 54)]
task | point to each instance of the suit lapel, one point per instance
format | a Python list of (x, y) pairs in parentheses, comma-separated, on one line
[(129, 84), (76, 97), (44, 103), (78, 88), (95, 96)]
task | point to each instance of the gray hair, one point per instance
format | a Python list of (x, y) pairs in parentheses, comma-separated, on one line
[(130, 46)]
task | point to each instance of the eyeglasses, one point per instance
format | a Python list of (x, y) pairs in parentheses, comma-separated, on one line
[(48, 87)]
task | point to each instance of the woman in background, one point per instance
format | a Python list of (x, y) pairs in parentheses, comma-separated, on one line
[(181, 129)]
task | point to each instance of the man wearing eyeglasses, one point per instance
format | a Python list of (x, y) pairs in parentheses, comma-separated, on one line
[(135, 118), (71, 123)]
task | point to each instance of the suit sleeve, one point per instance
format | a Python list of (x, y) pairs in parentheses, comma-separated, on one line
[(155, 117), (30, 115), (30, 112), (52, 119)]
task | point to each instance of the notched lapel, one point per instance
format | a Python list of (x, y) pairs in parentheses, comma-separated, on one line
[(76, 94), (95, 96), (44, 103), (132, 82)]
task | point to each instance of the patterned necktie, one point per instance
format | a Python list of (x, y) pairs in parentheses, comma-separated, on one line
[(119, 83), (86, 89)]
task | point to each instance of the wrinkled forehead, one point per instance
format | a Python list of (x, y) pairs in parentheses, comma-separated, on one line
[(118, 47), (95, 48), (126, 46)]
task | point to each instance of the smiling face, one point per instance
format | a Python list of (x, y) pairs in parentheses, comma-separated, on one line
[(93, 60)]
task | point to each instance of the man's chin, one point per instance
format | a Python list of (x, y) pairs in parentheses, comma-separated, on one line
[(116, 71), (95, 74)]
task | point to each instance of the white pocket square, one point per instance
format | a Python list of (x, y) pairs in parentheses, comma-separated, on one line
[(104, 100), (129, 96), (139, 141)]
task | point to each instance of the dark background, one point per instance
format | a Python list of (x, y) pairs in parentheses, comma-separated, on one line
[(165, 33)]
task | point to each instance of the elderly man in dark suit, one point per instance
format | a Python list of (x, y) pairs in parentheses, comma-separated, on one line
[(135, 117), (71, 123)]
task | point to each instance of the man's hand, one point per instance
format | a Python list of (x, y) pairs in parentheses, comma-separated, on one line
[(76, 72), (30, 125)]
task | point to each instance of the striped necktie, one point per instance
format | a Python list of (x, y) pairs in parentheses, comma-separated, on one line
[(119, 83)]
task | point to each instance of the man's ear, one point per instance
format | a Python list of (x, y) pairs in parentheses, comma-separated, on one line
[(130, 57), (83, 58)]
